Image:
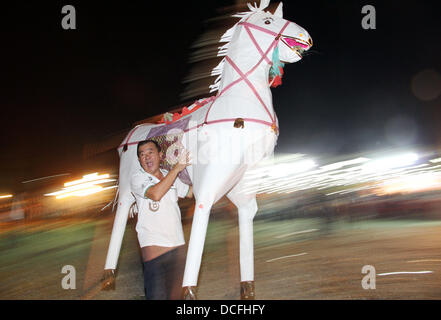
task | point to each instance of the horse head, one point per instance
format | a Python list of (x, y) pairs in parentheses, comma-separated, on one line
[(273, 39), (294, 40)]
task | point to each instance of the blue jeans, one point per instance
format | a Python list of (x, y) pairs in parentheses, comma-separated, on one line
[(163, 275)]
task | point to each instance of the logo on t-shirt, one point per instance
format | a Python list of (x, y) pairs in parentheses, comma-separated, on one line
[(154, 205)]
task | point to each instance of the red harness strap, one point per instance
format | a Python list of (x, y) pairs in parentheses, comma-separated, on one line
[(257, 45), (248, 82), (244, 77)]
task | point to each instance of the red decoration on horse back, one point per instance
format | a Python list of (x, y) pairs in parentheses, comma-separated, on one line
[(176, 116), (185, 111)]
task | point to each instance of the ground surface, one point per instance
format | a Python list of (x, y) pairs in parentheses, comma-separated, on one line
[(294, 259)]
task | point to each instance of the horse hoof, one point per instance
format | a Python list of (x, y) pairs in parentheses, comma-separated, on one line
[(108, 280), (189, 293), (247, 290)]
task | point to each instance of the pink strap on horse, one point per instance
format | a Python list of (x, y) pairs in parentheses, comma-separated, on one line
[(243, 76)]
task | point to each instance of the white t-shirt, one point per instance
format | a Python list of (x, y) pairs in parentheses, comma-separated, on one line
[(159, 222)]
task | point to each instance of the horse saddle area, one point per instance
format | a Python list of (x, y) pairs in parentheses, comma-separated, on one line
[(168, 132)]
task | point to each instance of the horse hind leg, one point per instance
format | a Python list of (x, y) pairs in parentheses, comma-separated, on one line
[(247, 208)]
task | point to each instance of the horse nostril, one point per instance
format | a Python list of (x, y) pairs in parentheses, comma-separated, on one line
[(310, 41)]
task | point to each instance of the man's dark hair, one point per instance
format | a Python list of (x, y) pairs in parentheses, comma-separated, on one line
[(141, 143)]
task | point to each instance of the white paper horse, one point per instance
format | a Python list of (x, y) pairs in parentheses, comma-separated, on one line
[(227, 135)]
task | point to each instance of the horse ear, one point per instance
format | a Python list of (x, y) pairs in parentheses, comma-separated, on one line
[(279, 10), (264, 4)]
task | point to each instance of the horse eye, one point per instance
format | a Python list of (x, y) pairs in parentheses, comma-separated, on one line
[(267, 21)]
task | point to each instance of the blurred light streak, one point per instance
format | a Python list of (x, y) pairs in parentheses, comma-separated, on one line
[(83, 187), (399, 173), (392, 162), (79, 187), (294, 233), (81, 192), (412, 183), (6, 196), (86, 178), (290, 256), (425, 260), (111, 187), (342, 164), (48, 177), (404, 272)]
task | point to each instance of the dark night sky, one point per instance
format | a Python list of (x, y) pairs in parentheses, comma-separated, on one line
[(126, 61)]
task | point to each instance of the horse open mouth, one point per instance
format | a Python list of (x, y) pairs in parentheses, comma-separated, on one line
[(296, 44)]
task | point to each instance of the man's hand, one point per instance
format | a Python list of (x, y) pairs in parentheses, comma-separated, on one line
[(157, 191), (183, 161), (108, 280)]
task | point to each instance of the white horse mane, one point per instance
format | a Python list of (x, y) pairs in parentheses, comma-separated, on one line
[(206, 47), (227, 36)]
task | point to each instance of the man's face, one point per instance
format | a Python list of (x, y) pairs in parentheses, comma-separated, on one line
[(149, 157)]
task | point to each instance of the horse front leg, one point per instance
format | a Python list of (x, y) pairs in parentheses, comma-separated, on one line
[(211, 182), (246, 217), (247, 208)]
